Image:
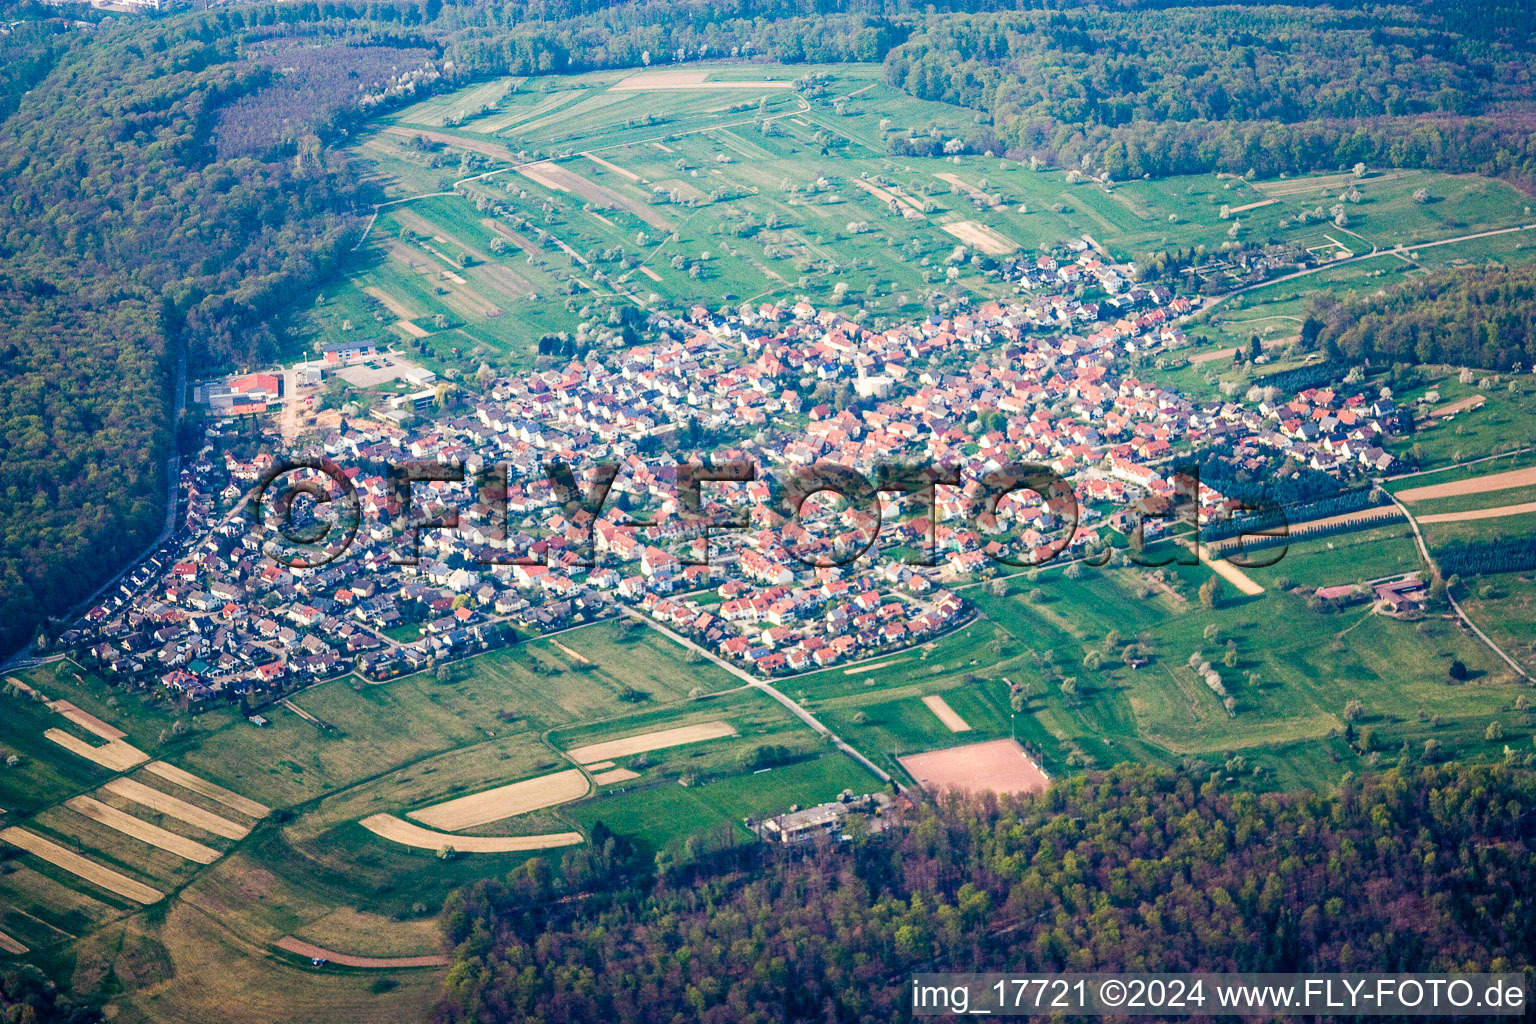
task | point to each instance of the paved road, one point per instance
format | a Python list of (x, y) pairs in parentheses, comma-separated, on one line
[(768, 688)]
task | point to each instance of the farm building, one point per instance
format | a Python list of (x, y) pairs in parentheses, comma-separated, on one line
[(804, 826)]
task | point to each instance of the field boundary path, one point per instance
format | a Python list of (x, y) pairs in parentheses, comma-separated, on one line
[(772, 691), (290, 944), (1456, 465), (1418, 535), (1397, 250)]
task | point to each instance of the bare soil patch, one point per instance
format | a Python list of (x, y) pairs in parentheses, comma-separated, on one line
[(314, 952), (390, 303), (616, 775), (672, 81), (1480, 513), (982, 237), (1474, 485), (615, 168), (946, 714), (1452, 408), (1229, 572), (1228, 353), (996, 766), (909, 208)]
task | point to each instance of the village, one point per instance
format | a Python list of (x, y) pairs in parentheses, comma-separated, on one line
[(1044, 380)]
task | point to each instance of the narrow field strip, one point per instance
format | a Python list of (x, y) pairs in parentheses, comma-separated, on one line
[(177, 808), (314, 952), (77, 865), (116, 755), (980, 236), (1474, 485), (504, 801), (87, 721), (389, 827), (202, 787), (1229, 572), (858, 670), (143, 831), (669, 81), (946, 714), (646, 742), (615, 168), (1479, 513), (10, 945)]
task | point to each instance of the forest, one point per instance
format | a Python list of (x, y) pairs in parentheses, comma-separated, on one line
[(1483, 317), (1264, 89), (120, 146), (1135, 869)]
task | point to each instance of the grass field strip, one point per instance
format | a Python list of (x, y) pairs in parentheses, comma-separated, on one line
[(646, 742), (202, 787), (177, 808), (143, 831), (504, 801), (389, 827), (77, 865)]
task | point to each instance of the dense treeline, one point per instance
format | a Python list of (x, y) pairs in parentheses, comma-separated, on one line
[(1480, 558), (1301, 378), (1136, 869), (1484, 317), (1239, 88), (1352, 500), (129, 229)]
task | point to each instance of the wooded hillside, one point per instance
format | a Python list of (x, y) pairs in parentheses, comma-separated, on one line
[(1483, 317), (1237, 88), (1135, 869)]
